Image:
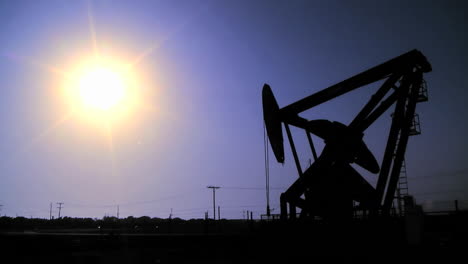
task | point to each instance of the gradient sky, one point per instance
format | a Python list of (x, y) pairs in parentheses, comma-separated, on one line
[(205, 63)]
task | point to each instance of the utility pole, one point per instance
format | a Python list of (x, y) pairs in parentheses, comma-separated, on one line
[(60, 208), (118, 212), (214, 199), (50, 212), (219, 212)]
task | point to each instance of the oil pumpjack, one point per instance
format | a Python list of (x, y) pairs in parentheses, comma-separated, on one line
[(330, 186)]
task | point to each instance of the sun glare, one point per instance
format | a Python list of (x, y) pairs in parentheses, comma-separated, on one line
[(102, 88)]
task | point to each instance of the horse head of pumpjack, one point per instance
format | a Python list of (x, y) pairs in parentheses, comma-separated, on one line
[(341, 141)]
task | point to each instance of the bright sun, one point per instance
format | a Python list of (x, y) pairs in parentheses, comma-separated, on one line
[(101, 88)]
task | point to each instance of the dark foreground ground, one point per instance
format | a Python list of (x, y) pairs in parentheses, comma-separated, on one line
[(442, 240)]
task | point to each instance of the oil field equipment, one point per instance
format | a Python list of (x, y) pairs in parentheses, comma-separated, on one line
[(330, 186)]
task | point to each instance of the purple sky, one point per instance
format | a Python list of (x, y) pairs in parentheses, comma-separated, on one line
[(210, 60)]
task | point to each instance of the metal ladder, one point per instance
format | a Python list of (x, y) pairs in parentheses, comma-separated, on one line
[(415, 129)]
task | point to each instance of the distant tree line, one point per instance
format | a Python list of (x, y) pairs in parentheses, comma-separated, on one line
[(131, 224)]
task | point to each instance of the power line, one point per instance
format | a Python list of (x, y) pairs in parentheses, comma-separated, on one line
[(127, 204), (143, 202), (254, 188)]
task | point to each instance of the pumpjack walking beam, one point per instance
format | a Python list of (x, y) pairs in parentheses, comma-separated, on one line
[(273, 115)]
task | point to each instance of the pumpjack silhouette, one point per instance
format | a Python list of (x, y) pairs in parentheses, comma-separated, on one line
[(330, 187)]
